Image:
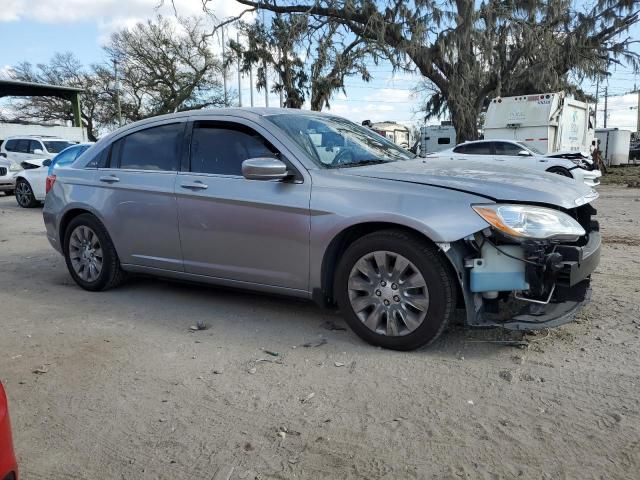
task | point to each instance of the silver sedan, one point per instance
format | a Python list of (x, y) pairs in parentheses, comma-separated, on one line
[(314, 206)]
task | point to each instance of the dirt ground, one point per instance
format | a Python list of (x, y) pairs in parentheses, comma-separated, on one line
[(127, 391)]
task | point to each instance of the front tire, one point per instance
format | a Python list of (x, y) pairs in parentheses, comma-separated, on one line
[(90, 254), (24, 194), (395, 290)]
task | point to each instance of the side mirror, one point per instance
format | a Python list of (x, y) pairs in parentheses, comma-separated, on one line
[(38, 151), (524, 153), (264, 169), (46, 163)]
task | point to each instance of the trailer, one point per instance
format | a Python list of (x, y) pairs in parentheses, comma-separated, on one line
[(435, 138), (546, 122), (614, 145), (397, 133)]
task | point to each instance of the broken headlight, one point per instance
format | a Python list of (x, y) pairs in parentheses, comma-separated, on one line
[(530, 222)]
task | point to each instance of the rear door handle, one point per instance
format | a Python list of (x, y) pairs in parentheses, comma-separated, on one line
[(109, 179), (197, 185)]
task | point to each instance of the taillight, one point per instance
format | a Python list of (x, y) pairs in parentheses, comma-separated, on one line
[(51, 179)]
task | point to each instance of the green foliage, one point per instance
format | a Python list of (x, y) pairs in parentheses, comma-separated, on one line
[(164, 66), (308, 62), (469, 52)]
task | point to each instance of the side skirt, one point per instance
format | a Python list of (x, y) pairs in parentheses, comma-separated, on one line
[(192, 277)]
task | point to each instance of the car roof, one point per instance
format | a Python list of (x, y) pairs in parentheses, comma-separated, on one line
[(510, 140), (246, 112), (35, 137)]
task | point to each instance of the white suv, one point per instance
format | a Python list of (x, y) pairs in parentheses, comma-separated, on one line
[(7, 179), (19, 149)]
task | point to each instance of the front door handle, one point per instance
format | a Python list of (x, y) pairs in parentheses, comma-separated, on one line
[(197, 185), (109, 179)]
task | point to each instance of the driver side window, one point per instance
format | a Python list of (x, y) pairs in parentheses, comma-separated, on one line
[(504, 148), (221, 147)]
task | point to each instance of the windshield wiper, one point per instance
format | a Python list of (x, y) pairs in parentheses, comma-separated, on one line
[(373, 161)]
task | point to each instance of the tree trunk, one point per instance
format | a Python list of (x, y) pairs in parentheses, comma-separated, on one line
[(464, 120)]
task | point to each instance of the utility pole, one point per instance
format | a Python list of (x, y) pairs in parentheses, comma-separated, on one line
[(638, 107), (606, 97), (116, 86), (595, 119), (266, 84), (251, 84), (239, 74), (224, 71), (266, 76)]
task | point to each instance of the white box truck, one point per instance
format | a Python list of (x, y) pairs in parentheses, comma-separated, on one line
[(614, 145), (547, 122)]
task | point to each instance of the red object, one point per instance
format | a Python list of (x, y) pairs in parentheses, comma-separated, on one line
[(51, 179), (8, 465)]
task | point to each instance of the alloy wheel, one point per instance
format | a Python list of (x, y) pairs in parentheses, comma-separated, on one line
[(85, 253), (388, 293), (23, 193)]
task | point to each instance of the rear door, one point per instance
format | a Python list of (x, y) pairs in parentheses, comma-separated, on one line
[(19, 150), (481, 151), (137, 198), (248, 231)]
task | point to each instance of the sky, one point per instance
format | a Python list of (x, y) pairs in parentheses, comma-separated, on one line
[(34, 30)]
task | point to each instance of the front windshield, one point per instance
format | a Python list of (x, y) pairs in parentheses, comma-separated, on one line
[(334, 142), (529, 147), (56, 146)]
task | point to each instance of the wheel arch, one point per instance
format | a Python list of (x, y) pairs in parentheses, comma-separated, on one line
[(343, 239), (72, 213), (559, 167)]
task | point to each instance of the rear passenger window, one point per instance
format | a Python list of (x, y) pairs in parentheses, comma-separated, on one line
[(155, 148), (480, 148), (22, 146), (220, 148), (34, 145), (11, 145)]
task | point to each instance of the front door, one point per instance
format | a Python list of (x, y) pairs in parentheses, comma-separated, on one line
[(237, 229)]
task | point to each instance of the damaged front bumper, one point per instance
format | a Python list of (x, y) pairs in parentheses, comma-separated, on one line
[(540, 297)]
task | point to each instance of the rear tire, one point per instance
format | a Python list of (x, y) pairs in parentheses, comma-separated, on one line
[(90, 254), (560, 171), (394, 290), (24, 194)]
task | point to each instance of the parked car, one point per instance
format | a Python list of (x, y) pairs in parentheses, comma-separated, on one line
[(31, 181), (18, 149), (313, 206), (8, 465), (7, 180), (508, 153)]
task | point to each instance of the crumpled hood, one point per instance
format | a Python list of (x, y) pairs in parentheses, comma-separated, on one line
[(497, 182), (34, 162)]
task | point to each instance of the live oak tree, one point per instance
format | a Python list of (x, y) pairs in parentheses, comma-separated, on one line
[(468, 52), (164, 66), (63, 69)]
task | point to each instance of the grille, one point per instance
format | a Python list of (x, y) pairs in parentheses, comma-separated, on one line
[(3, 171)]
